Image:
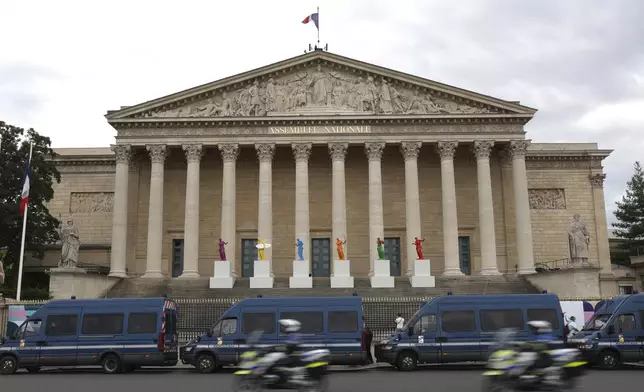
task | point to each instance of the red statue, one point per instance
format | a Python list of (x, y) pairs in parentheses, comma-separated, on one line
[(419, 247)]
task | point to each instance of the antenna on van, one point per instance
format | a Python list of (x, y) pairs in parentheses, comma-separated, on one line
[(449, 293), (544, 292), (73, 297)]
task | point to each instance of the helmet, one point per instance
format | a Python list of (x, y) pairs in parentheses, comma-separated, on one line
[(290, 325), (540, 327)]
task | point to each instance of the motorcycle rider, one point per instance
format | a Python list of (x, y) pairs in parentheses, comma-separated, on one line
[(291, 344), (541, 334)]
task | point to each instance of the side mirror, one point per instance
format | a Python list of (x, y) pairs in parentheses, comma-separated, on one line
[(209, 333)]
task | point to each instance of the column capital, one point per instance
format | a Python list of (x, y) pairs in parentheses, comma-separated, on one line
[(123, 152), (597, 180), (482, 149), (229, 151), (447, 149), (410, 150), (518, 148), (265, 151), (158, 152), (374, 150), (301, 151), (338, 151), (194, 152)]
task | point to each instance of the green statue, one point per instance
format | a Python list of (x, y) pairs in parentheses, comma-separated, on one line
[(381, 250)]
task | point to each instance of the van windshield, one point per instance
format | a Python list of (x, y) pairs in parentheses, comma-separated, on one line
[(597, 322), (412, 319)]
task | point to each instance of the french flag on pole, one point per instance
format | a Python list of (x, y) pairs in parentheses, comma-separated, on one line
[(24, 197), (312, 18)]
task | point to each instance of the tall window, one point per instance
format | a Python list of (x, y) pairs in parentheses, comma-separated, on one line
[(177, 257), (392, 253)]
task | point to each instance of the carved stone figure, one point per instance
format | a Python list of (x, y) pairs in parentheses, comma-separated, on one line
[(419, 248), (222, 250), (380, 248), (271, 95), (579, 240), (547, 199), (385, 98), (339, 248), (70, 241), (300, 249), (91, 202), (320, 86), (3, 253)]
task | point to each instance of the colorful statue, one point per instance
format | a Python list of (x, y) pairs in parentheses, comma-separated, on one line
[(300, 249), (339, 248), (381, 249), (261, 245), (222, 250), (419, 247)]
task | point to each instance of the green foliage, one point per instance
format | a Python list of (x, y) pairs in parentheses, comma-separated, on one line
[(630, 214), (41, 226)]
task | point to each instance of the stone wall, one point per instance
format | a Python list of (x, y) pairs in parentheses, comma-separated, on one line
[(572, 282)]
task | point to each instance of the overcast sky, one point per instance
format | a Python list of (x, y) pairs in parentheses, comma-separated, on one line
[(64, 63)]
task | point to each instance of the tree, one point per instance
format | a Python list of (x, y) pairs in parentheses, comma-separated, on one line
[(41, 226), (630, 214)]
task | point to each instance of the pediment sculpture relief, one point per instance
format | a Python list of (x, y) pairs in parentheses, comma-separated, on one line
[(319, 90)]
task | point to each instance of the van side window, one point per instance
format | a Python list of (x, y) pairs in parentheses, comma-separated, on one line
[(343, 321), (142, 323), (494, 320), (549, 315), (29, 329), (458, 321), (426, 324), (312, 322), (626, 323), (61, 325), (252, 322), (102, 324)]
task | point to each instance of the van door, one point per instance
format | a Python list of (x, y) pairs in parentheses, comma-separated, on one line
[(225, 342), (344, 334), (424, 334), (494, 318), (258, 318), (100, 327), (30, 338), (312, 321), (460, 337), (60, 345), (626, 333)]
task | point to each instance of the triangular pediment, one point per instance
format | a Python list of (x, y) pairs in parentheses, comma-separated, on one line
[(320, 84)]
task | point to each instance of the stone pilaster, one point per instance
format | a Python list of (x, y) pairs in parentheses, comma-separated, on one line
[(376, 215), (158, 154), (193, 152), (229, 153), (482, 150), (446, 150), (119, 217), (410, 151), (517, 152)]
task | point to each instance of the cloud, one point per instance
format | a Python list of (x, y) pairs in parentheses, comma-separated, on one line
[(580, 62)]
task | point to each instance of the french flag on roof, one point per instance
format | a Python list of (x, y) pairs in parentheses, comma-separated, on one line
[(24, 197), (312, 18)]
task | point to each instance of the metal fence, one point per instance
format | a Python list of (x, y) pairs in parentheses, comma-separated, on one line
[(198, 315)]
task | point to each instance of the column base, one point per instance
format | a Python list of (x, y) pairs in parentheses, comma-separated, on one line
[(118, 274), (527, 270), (301, 278), (453, 272), (153, 275), (341, 277), (222, 277), (262, 275), (381, 277), (189, 275), (422, 274), (490, 272)]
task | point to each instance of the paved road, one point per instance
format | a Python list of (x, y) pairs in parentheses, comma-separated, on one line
[(458, 378)]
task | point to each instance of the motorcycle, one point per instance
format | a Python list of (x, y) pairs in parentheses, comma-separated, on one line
[(510, 369), (261, 368)]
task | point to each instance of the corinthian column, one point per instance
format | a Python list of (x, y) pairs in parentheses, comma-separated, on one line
[(265, 153), (119, 216), (229, 153), (376, 214), (194, 152), (338, 152), (446, 151), (158, 153), (301, 153), (517, 152), (482, 150), (410, 152)]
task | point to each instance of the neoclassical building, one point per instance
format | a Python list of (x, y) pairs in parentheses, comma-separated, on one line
[(322, 147)]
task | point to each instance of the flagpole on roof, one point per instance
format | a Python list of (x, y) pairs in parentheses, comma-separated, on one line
[(318, 26), (24, 228)]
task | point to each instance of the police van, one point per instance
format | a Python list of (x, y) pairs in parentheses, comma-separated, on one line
[(115, 334), (462, 328), (335, 323), (615, 333)]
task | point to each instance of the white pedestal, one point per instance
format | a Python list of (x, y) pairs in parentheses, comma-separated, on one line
[(262, 277), (341, 277), (422, 274), (300, 278), (381, 277), (223, 276)]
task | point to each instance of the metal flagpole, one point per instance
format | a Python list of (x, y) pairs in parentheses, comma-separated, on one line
[(318, 26), (24, 231)]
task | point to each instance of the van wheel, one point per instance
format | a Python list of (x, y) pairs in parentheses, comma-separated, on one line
[(407, 360), (8, 365), (111, 364), (608, 360), (33, 369), (206, 363)]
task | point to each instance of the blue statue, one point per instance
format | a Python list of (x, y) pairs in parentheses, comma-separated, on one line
[(300, 249)]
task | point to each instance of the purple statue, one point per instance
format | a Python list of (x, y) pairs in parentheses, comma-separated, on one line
[(222, 250)]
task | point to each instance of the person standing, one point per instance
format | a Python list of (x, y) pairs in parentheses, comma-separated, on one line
[(400, 322), (572, 326), (368, 338)]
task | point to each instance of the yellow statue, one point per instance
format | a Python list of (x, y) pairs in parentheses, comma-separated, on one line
[(338, 245), (261, 245)]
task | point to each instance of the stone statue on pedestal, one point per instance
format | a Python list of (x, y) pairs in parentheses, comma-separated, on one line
[(222, 250), (300, 249), (3, 254), (578, 240), (338, 246), (380, 247), (70, 242)]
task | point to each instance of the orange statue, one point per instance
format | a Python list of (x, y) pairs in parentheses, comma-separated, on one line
[(338, 246)]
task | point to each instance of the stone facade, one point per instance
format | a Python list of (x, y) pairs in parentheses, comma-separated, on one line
[(421, 155)]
